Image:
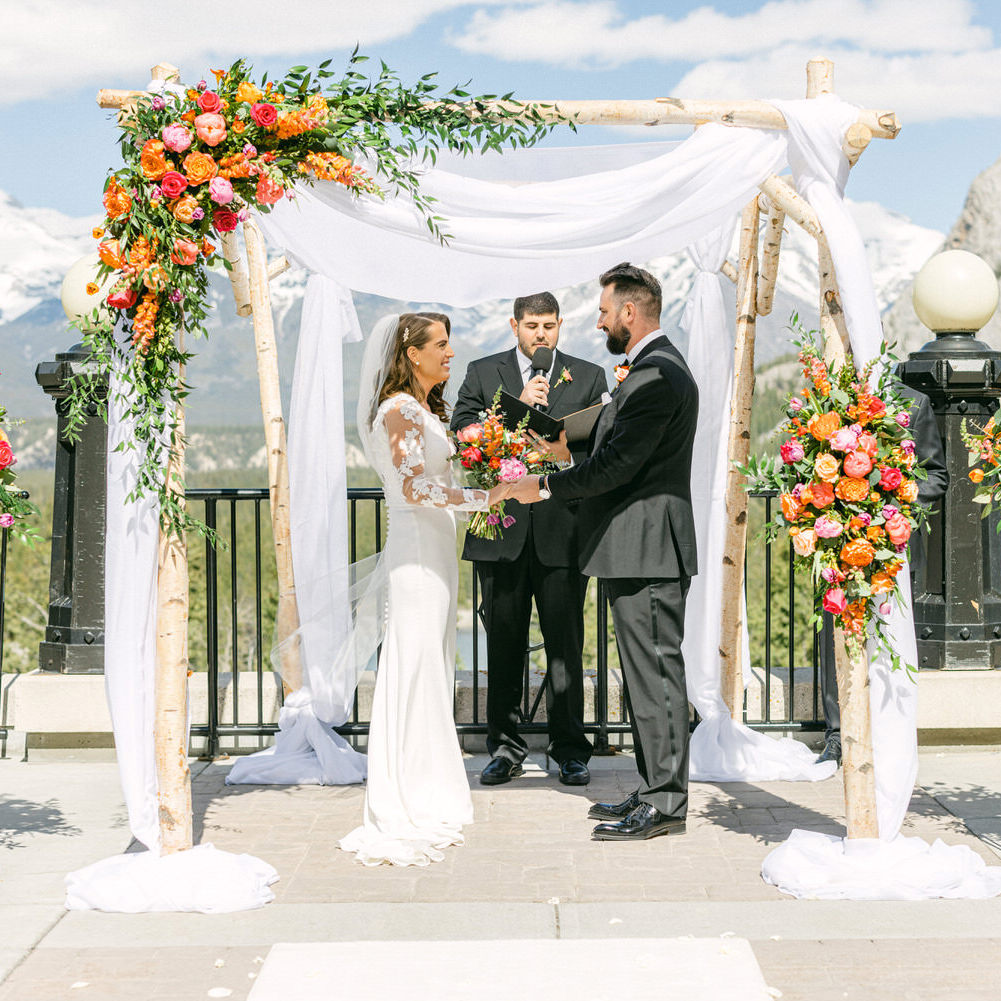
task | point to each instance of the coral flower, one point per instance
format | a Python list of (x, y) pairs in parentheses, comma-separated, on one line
[(211, 129), (858, 553), (835, 601), (123, 298), (822, 426), (976, 475), (898, 528), (471, 433), (210, 101), (868, 443), (858, 464), (821, 495), (268, 192), (185, 251), (110, 253), (790, 509), (827, 467), (264, 115)]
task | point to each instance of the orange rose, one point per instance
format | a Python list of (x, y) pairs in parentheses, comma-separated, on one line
[(976, 475), (151, 159), (821, 495), (882, 583), (199, 168), (822, 426), (116, 200), (874, 533), (184, 208), (908, 491), (827, 467), (858, 553), (851, 489), (248, 92), (790, 508)]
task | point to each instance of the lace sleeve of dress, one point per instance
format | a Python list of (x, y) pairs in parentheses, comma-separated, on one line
[(405, 426)]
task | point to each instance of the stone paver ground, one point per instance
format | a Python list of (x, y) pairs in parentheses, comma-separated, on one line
[(527, 870)]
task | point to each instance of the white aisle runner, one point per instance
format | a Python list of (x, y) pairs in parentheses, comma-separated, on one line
[(652, 969)]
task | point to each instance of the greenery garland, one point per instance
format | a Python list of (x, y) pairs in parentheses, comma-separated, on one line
[(196, 161)]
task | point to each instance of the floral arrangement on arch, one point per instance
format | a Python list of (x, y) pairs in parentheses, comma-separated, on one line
[(491, 454), (847, 480), (14, 504), (197, 160), (984, 454)]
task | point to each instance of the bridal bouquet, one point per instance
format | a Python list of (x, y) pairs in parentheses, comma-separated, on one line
[(492, 454), (847, 482), (984, 447)]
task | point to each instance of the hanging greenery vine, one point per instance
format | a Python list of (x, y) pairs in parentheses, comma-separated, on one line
[(196, 161)]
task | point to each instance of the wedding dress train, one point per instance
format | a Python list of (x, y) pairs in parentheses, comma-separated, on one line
[(417, 798)]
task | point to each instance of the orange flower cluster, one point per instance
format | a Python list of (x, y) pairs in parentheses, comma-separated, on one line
[(235, 167), (295, 123), (117, 201), (333, 167), (144, 322)]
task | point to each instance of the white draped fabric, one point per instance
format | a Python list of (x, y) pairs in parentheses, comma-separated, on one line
[(568, 216)]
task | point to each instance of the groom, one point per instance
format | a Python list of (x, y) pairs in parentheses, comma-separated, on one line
[(637, 533)]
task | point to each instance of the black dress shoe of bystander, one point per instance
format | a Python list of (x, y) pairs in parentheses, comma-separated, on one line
[(644, 822)]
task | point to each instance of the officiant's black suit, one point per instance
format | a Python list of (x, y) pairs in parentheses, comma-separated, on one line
[(637, 532), (536, 556)]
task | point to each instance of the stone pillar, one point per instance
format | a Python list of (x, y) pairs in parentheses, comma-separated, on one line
[(74, 636)]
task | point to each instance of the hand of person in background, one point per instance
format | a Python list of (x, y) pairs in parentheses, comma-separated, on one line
[(557, 451), (536, 392)]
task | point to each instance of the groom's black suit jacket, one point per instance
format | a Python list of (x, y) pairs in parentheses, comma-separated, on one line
[(635, 513), (553, 524)]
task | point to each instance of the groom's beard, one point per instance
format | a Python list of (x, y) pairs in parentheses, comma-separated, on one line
[(616, 339)]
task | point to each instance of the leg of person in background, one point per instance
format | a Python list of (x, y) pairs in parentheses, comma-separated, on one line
[(829, 693)]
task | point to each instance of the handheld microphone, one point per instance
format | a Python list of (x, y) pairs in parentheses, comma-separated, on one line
[(542, 362)]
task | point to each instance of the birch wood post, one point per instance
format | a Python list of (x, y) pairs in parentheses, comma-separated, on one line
[(738, 449), (274, 437), (170, 727), (852, 672), (771, 244), (238, 277)]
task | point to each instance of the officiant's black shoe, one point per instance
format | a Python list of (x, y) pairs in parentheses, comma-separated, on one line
[(499, 771), (614, 811), (644, 822), (574, 773), (831, 751)]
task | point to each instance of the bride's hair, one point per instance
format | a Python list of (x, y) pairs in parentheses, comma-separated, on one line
[(414, 331)]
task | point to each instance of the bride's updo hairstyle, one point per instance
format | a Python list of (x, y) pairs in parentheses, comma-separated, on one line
[(414, 331)]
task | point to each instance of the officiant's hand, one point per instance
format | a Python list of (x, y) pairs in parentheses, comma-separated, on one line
[(536, 392), (555, 451), (526, 490)]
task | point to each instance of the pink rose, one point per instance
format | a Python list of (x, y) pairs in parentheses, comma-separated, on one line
[(511, 470), (844, 440), (470, 433), (890, 478), (791, 451), (471, 455), (898, 528), (835, 601), (884, 609), (173, 184), (867, 442), (827, 528), (6, 454), (796, 404), (6, 520), (804, 542), (264, 115), (268, 192), (220, 191), (177, 138), (224, 220), (211, 102), (211, 129), (858, 464)]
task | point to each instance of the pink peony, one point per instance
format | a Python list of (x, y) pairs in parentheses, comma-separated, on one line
[(827, 528), (844, 440), (804, 542), (898, 528), (858, 464), (511, 470), (177, 138), (6, 519), (792, 451), (835, 601), (469, 434), (173, 184), (890, 478), (888, 511), (211, 129), (867, 442), (268, 192), (866, 519), (220, 191)]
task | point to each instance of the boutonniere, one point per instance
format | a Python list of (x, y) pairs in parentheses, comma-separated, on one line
[(621, 371), (565, 376)]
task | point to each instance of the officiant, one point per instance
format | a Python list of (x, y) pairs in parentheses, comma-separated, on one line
[(536, 557)]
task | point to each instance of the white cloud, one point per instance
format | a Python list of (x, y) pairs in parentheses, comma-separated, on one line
[(600, 32), (52, 46)]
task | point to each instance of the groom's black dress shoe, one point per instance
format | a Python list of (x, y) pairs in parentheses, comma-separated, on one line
[(831, 751), (644, 822), (574, 773), (614, 811), (499, 771)]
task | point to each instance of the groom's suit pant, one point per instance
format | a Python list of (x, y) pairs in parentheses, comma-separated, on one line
[(508, 589), (649, 617)]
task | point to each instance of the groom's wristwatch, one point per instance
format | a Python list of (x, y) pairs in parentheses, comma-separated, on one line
[(544, 493)]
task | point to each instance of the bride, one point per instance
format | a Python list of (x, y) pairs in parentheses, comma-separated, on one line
[(417, 797)]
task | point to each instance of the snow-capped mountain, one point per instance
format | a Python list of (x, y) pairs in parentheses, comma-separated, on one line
[(38, 245)]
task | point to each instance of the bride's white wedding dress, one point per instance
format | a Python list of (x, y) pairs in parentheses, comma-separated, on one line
[(417, 797)]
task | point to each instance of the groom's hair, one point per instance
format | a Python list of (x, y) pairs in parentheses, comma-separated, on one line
[(540, 304), (633, 284)]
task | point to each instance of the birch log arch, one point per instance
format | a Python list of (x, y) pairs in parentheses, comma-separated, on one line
[(777, 202)]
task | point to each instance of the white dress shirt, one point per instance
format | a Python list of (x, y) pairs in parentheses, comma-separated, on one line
[(637, 348), (526, 368)]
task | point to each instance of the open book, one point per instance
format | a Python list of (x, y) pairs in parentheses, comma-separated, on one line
[(577, 425)]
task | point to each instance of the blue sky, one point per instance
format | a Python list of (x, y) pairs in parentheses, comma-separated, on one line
[(937, 63)]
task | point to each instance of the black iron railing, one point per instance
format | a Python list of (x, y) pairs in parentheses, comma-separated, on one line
[(230, 640)]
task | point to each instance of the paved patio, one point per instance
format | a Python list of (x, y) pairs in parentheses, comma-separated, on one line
[(528, 871)]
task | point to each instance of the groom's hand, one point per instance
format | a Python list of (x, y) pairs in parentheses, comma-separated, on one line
[(526, 490)]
